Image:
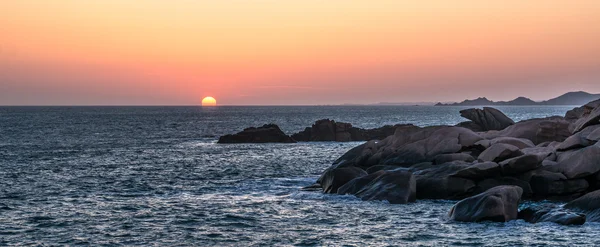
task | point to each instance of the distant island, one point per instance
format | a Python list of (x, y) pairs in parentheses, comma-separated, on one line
[(571, 98)]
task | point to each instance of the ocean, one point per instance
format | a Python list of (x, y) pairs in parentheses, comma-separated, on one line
[(155, 176)]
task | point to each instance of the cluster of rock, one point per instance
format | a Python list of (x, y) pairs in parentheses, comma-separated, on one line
[(330, 130), (321, 130), (556, 158)]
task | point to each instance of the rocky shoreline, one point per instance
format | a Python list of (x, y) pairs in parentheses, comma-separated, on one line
[(556, 158), (490, 163)]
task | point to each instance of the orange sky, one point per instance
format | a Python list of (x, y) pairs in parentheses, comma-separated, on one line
[(157, 52)]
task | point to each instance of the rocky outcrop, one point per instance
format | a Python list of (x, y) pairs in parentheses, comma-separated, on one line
[(487, 119), (551, 213), (541, 157), (330, 130), (496, 204), (266, 133)]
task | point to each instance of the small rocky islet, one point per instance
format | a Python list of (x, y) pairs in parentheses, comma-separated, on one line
[(489, 163)]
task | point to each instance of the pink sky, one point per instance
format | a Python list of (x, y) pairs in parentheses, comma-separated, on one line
[(265, 52)]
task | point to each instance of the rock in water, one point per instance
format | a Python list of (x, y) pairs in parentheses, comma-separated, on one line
[(264, 134), (330, 130), (551, 213), (500, 204), (488, 118), (588, 204), (334, 178), (396, 187)]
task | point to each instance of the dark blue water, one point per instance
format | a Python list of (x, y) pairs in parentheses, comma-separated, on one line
[(155, 176)]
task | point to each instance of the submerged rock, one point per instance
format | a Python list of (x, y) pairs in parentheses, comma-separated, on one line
[(266, 133), (551, 213), (496, 204)]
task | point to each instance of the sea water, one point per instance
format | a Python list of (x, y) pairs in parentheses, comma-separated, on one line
[(154, 176)]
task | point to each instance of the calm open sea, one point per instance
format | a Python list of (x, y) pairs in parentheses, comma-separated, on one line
[(154, 176)]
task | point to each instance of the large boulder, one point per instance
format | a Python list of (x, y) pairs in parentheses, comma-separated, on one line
[(579, 163), (396, 187), (551, 213), (592, 118), (521, 164), (479, 170), (582, 111), (588, 204), (488, 118), (334, 178), (499, 152), (536, 130), (266, 133), (584, 138), (500, 203)]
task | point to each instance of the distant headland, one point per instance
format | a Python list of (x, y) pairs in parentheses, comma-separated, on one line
[(571, 98)]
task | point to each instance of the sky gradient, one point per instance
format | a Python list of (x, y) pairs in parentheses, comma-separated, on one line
[(243, 52)]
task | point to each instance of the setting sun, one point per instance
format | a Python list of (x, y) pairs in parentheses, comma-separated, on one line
[(209, 101)]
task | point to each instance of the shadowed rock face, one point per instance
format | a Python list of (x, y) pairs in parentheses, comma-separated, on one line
[(396, 187), (496, 204), (488, 118), (588, 204), (335, 178), (551, 213), (264, 134)]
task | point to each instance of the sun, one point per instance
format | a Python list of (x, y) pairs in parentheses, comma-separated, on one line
[(209, 101)]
